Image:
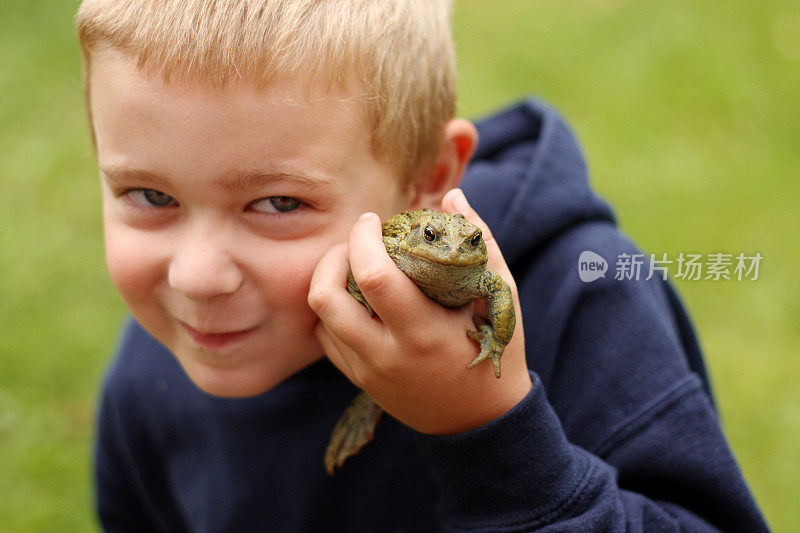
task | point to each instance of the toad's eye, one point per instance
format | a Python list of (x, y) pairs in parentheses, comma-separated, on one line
[(429, 234), (151, 198), (476, 239), (276, 204)]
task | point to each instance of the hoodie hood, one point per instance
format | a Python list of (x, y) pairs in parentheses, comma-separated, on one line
[(528, 179)]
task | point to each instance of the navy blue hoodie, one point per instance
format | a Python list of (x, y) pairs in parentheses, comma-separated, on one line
[(618, 432)]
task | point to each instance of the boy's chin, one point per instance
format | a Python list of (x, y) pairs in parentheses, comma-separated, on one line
[(230, 382)]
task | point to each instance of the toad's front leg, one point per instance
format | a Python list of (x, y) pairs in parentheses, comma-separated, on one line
[(495, 334)]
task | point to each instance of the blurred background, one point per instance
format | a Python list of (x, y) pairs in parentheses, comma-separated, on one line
[(689, 114)]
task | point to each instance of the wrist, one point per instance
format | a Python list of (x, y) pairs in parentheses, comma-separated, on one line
[(462, 414)]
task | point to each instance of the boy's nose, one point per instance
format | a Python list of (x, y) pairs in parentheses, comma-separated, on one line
[(202, 270)]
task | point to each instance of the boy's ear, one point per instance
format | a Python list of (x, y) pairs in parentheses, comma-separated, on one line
[(460, 140)]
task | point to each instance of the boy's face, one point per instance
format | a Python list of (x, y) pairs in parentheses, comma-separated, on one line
[(218, 206)]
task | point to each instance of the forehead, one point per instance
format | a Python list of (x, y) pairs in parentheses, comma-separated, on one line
[(137, 114)]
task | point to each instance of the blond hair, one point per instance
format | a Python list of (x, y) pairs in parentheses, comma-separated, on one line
[(399, 52)]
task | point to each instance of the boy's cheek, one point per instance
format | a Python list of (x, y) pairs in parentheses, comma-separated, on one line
[(132, 264), (137, 284)]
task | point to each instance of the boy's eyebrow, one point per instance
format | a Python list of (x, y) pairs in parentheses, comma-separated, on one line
[(120, 174), (244, 181), (238, 182)]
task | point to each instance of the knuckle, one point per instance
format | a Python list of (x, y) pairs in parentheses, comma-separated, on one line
[(386, 366), (320, 300), (423, 344)]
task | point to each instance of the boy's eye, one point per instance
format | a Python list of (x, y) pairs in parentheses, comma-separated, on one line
[(151, 198), (276, 204)]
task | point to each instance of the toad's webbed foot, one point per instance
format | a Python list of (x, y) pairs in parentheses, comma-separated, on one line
[(491, 346), (354, 429)]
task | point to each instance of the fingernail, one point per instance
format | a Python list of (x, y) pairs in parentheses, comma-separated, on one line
[(375, 223), (460, 201)]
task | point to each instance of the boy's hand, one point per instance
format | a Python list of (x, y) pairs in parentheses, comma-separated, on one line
[(411, 360)]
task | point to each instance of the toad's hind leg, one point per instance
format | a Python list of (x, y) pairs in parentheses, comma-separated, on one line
[(354, 429)]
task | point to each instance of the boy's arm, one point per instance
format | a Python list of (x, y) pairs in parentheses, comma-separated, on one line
[(674, 462), (519, 472)]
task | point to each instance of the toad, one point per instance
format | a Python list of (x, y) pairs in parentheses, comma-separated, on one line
[(445, 255)]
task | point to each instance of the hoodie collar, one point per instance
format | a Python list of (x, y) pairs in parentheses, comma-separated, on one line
[(528, 179)]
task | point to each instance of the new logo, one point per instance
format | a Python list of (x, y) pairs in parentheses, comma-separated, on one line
[(591, 266)]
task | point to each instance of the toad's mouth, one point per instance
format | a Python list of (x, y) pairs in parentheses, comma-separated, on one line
[(455, 259)]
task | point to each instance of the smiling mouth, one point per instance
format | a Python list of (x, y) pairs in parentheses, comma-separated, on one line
[(215, 340)]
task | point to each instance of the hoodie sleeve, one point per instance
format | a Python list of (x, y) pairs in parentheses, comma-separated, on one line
[(520, 473), (633, 445)]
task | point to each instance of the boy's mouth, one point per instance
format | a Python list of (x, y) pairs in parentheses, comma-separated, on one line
[(215, 340)]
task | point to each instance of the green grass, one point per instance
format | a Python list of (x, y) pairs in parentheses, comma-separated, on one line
[(689, 116)]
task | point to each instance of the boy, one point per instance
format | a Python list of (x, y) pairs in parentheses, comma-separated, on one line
[(239, 144)]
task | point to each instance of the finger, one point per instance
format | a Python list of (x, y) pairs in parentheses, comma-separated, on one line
[(335, 350), (455, 202), (342, 314), (393, 296)]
